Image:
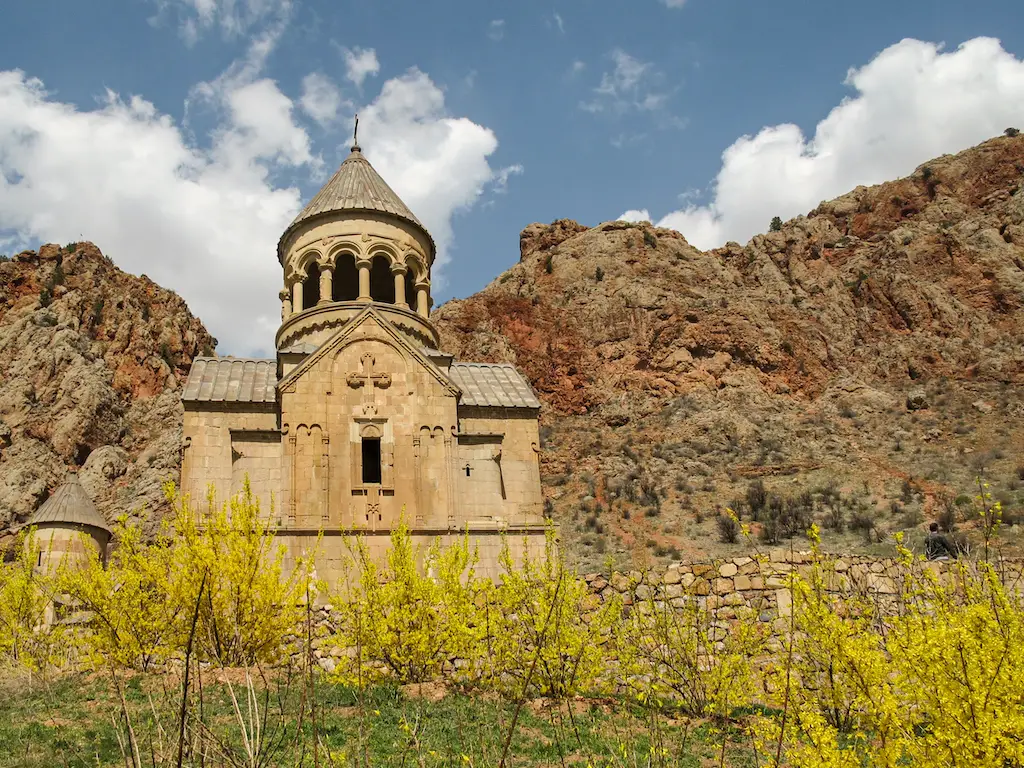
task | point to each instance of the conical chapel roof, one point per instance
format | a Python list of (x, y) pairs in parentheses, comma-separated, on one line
[(69, 504), (355, 186)]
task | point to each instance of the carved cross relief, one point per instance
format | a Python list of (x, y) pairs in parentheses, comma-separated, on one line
[(369, 380)]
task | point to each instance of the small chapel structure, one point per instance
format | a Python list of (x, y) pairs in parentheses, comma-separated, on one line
[(361, 418)]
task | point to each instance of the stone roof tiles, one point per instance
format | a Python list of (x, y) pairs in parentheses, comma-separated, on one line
[(69, 504), (356, 186), (231, 380), (492, 385)]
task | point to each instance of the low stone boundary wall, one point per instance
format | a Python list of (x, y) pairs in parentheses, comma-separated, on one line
[(744, 586)]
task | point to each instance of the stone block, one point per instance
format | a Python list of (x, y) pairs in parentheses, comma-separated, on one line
[(734, 599), (784, 602), (620, 583), (723, 586), (727, 570)]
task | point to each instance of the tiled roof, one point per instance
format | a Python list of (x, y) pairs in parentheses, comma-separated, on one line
[(231, 380), (356, 186), (497, 385), (69, 504)]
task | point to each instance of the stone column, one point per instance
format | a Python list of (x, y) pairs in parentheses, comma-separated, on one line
[(326, 281), (398, 270), (423, 299), (286, 304), (297, 296), (363, 265)]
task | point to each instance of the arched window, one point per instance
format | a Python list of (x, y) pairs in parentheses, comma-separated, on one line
[(382, 284), (311, 286), (346, 278)]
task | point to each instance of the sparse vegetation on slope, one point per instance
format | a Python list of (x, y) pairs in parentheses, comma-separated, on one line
[(872, 345)]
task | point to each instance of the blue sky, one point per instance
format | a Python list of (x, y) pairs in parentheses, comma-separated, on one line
[(182, 135)]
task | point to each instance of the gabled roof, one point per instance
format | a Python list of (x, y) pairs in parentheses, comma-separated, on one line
[(492, 385), (355, 186), (349, 328), (231, 380), (69, 504)]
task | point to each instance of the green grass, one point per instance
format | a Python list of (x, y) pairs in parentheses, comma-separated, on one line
[(76, 721)]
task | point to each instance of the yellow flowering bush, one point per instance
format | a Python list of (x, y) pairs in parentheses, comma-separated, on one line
[(25, 640), (219, 581), (683, 655), (547, 635), (939, 681), (405, 620), (249, 603)]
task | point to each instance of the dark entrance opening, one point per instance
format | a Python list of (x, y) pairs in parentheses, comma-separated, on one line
[(371, 460)]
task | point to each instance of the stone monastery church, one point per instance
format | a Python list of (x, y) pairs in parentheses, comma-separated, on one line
[(361, 418)]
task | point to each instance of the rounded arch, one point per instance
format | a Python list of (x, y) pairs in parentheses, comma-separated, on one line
[(345, 246), (382, 250), (371, 431), (382, 284), (346, 277), (302, 262), (414, 265)]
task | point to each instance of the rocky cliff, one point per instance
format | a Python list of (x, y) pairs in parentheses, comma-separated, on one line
[(91, 364), (864, 363)]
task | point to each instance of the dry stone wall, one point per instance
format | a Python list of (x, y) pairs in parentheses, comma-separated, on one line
[(740, 588), (745, 586)]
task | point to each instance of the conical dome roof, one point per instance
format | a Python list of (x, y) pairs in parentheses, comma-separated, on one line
[(70, 504), (355, 186)]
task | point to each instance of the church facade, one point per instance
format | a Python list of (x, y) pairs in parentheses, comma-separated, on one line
[(361, 418)]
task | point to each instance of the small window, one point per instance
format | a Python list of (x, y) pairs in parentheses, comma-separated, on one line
[(371, 460)]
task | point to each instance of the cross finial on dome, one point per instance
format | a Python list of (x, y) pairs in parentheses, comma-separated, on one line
[(355, 136)]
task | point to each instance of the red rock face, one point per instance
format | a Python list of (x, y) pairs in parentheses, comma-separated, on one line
[(917, 283), (91, 364)]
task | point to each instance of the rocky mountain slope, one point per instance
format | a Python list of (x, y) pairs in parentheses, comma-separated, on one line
[(860, 366), (91, 364)]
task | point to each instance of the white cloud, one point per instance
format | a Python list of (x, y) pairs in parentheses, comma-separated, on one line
[(673, 3), (496, 29), (635, 216), (912, 102), (575, 68), (360, 63), (233, 17), (321, 98), (559, 22), (631, 84), (205, 220), (500, 181), (436, 163)]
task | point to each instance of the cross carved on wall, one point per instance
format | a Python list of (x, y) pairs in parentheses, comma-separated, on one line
[(368, 379)]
